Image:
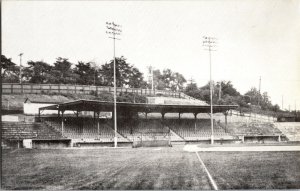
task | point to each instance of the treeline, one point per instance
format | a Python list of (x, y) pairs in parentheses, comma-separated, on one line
[(62, 71), (225, 94)]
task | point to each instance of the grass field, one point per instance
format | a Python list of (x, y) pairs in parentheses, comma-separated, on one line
[(147, 168)]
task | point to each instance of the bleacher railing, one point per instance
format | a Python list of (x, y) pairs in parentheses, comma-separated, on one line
[(15, 88)]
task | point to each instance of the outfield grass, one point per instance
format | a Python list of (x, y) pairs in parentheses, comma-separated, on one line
[(143, 168), (147, 168), (254, 170)]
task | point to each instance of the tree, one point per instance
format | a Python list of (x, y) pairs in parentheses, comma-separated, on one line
[(254, 95), (62, 72), (168, 80), (227, 88), (126, 74), (193, 91), (87, 73), (10, 72), (37, 72), (157, 80)]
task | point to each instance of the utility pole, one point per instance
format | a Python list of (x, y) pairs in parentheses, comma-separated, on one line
[(210, 42), (296, 109), (191, 80), (220, 89), (114, 30), (282, 102), (259, 84), (151, 75), (20, 76)]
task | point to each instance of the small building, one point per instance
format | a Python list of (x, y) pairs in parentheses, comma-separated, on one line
[(31, 107)]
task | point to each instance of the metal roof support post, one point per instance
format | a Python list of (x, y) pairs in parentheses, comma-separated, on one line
[(195, 116), (94, 116), (225, 114), (98, 126), (163, 115), (179, 114), (62, 122), (39, 114)]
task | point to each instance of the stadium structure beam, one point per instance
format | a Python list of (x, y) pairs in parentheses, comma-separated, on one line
[(91, 105)]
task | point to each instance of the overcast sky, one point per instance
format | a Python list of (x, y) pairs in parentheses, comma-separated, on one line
[(255, 38)]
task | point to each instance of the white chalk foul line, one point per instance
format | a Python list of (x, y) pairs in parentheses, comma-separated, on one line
[(207, 172), (195, 148)]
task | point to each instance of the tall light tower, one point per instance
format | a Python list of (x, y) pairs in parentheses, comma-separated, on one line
[(114, 30), (209, 43), (20, 76)]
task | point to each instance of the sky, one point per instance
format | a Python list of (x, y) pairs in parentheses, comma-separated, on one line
[(255, 38)]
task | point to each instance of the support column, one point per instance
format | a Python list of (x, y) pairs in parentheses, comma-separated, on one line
[(146, 115), (39, 115), (226, 121), (163, 116), (179, 115), (195, 117), (279, 138), (62, 122), (98, 125)]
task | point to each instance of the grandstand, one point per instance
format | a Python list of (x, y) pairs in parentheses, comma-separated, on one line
[(14, 132), (178, 120), (133, 127)]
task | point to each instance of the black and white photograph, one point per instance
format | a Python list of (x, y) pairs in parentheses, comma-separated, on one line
[(150, 95)]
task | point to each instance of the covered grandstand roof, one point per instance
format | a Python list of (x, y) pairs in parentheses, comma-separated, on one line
[(93, 105)]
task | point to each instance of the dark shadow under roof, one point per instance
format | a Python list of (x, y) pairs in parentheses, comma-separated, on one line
[(98, 106)]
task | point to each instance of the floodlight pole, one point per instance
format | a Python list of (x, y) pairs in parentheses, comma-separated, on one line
[(211, 107), (112, 27), (115, 96), (208, 42)]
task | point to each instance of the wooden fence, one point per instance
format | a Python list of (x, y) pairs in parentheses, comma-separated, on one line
[(13, 88)]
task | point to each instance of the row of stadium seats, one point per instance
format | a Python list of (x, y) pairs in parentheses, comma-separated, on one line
[(86, 128), (186, 128), (254, 128), (23, 130), (290, 130), (133, 129)]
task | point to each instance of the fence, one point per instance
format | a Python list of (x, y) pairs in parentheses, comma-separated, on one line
[(12, 88)]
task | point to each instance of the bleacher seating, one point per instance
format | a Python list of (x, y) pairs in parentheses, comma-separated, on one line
[(134, 129), (85, 128), (254, 128), (186, 129), (290, 129), (23, 130)]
